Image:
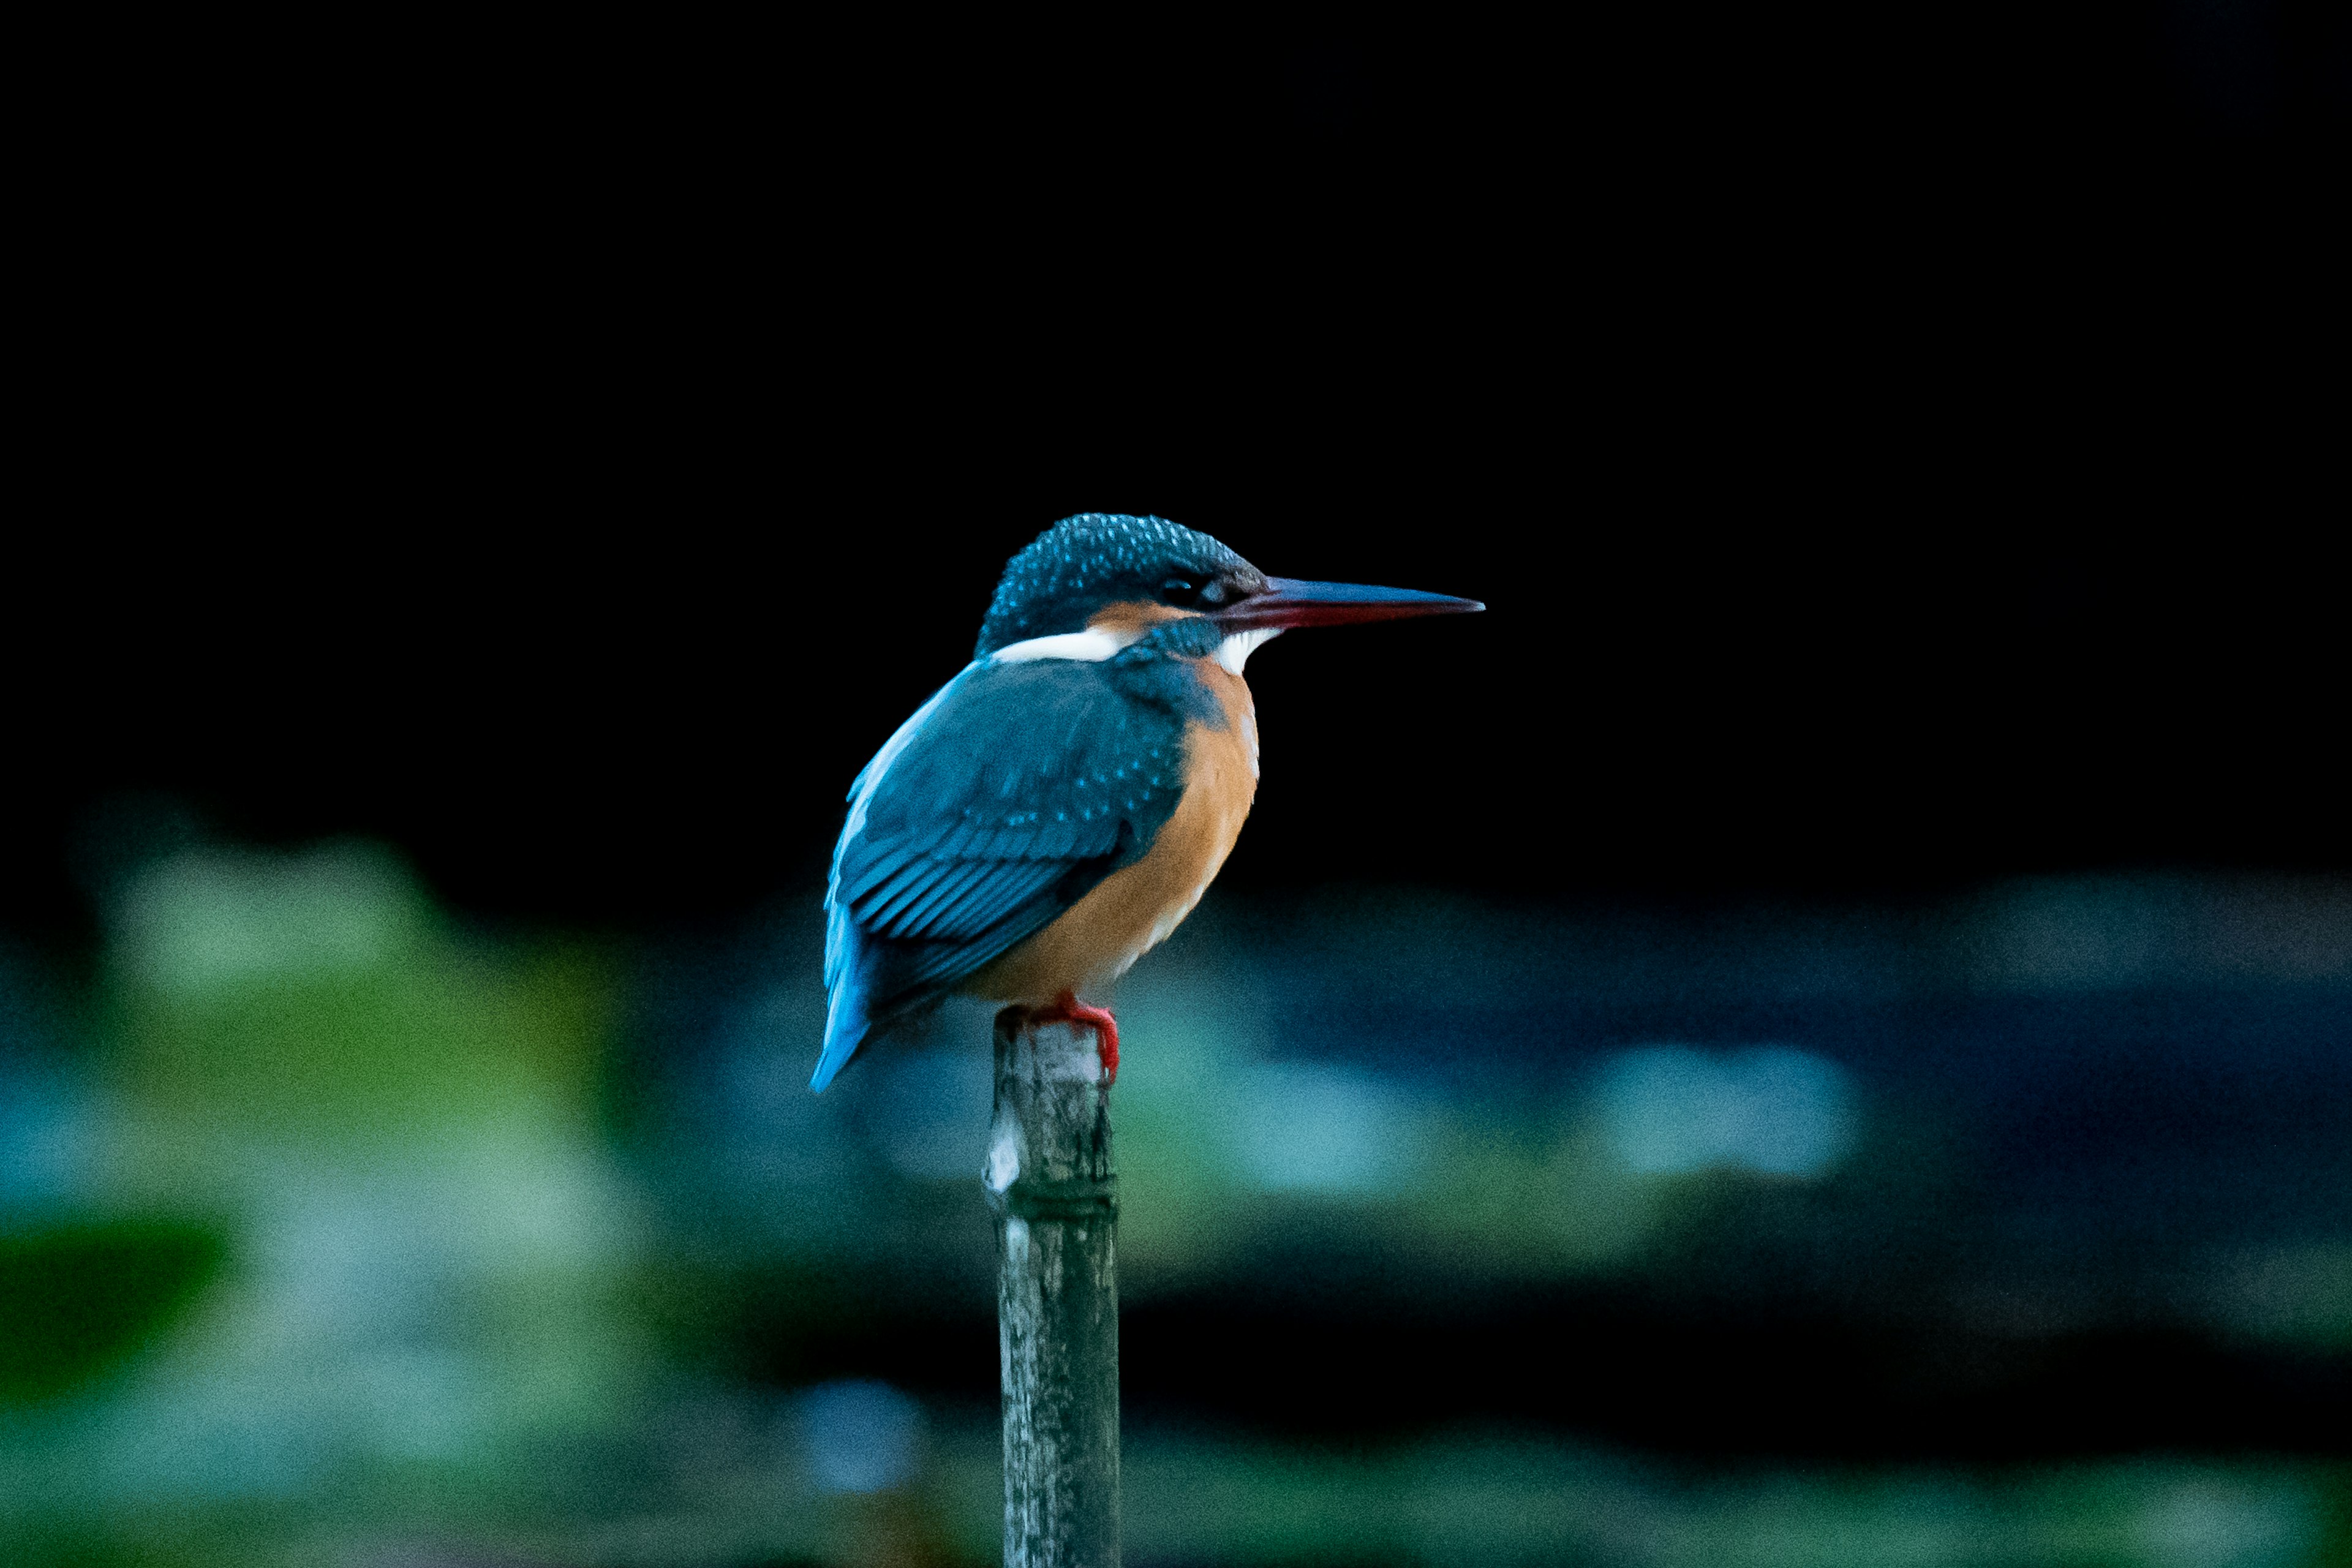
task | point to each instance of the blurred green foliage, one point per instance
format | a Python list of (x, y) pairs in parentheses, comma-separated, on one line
[(77, 1301), (352, 1267), (320, 1000)]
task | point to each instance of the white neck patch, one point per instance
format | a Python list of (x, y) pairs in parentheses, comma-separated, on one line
[(1234, 652), (1098, 643), (1090, 647)]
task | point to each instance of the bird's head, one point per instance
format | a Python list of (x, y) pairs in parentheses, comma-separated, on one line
[(1101, 580)]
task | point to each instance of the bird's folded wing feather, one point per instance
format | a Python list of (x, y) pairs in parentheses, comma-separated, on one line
[(1016, 791)]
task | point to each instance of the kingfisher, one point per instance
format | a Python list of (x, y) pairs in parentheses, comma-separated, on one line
[(1059, 807)]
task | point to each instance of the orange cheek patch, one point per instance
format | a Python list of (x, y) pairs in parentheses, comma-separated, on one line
[(1132, 618)]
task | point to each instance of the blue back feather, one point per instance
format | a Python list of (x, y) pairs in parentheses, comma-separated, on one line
[(1006, 798)]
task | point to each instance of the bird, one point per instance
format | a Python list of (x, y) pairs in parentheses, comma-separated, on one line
[(1053, 812)]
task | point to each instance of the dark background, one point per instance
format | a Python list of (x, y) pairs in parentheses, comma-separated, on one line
[(1883, 441), (630, 734)]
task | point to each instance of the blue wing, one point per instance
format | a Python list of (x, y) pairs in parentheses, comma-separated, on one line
[(998, 805)]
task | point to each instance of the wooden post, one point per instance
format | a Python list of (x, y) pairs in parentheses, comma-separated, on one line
[(1049, 1178)]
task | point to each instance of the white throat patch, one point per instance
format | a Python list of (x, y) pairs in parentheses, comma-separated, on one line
[(1098, 643), (1234, 652)]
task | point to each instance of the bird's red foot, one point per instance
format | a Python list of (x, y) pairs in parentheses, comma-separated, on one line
[(1068, 1009)]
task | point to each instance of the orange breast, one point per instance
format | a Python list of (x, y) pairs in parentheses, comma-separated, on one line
[(1132, 910)]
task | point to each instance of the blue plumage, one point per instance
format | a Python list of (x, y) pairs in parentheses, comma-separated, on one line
[(1053, 762), (1002, 803)]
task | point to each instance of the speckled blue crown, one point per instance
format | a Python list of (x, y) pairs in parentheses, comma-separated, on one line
[(1096, 558)]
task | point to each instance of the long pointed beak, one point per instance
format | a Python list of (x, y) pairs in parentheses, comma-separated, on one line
[(1289, 602)]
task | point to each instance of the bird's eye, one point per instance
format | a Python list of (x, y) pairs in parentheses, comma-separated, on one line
[(1179, 591)]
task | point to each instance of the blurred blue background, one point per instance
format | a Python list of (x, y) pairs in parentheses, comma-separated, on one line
[(2015, 1228)]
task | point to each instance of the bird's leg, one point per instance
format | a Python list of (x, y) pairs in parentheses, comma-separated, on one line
[(1068, 1009)]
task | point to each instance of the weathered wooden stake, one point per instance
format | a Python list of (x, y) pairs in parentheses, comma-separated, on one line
[(1049, 1177)]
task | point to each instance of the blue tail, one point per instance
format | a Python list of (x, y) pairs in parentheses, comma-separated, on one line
[(846, 1023), (845, 1027), (844, 1031)]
